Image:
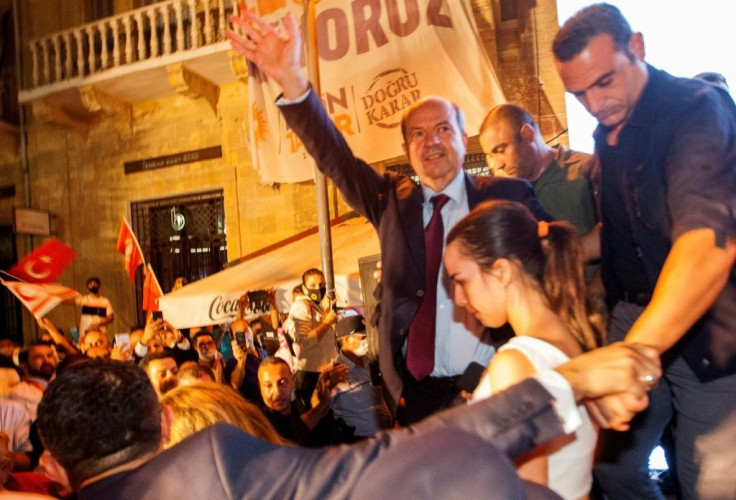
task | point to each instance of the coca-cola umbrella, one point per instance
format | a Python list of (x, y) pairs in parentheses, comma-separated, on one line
[(213, 300)]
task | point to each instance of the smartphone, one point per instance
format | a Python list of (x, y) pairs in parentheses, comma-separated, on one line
[(240, 339), (122, 339), (157, 315), (469, 380), (74, 332)]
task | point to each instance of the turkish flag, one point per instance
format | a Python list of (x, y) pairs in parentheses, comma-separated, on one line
[(129, 247), (45, 264), (40, 298), (151, 291)]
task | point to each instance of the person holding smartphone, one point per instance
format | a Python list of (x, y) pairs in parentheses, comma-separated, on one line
[(314, 318), (242, 368)]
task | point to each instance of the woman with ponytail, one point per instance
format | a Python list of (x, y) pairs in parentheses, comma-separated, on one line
[(508, 267)]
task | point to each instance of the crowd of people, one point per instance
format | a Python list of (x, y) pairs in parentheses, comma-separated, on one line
[(538, 330)]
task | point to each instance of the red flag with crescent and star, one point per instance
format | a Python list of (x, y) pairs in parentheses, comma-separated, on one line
[(40, 298), (129, 247), (45, 264)]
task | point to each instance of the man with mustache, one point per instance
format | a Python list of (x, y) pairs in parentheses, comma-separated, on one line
[(40, 369)]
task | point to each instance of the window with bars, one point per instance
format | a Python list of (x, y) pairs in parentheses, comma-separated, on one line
[(475, 163), (181, 236)]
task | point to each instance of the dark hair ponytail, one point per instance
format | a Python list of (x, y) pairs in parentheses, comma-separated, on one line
[(564, 285), (551, 253)]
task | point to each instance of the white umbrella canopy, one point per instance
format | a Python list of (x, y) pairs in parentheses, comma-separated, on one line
[(213, 300)]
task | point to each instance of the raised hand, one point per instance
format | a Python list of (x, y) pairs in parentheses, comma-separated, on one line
[(278, 56)]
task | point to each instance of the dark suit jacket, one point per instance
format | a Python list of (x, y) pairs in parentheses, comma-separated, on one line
[(463, 453), (393, 204)]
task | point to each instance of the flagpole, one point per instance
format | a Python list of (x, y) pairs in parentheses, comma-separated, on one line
[(323, 209)]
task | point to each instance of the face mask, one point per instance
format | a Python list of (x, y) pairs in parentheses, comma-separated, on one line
[(362, 349), (316, 294), (94, 289)]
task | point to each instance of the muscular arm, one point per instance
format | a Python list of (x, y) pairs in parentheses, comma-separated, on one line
[(694, 274), (700, 179)]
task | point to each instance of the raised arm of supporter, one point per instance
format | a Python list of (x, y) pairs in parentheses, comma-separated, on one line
[(274, 308), (58, 338), (321, 399), (149, 331), (181, 341), (121, 352), (240, 324), (277, 55), (238, 374), (306, 333), (694, 274)]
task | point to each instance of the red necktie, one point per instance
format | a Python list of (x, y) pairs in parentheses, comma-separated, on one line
[(420, 350)]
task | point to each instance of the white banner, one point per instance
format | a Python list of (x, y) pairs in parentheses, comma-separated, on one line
[(377, 57)]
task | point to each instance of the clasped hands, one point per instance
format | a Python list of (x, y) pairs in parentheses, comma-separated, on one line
[(613, 381)]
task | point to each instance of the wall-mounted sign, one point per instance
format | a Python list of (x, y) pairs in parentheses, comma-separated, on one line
[(30, 221), (175, 159)]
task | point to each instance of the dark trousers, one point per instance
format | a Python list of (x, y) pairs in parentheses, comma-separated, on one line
[(427, 396), (706, 429)]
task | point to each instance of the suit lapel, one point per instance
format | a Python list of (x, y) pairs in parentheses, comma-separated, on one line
[(411, 218), (473, 194)]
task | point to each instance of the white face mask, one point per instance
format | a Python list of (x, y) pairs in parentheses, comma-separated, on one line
[(362, 349)]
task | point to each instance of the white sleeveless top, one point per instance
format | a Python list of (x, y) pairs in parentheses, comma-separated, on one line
[(569, 470)]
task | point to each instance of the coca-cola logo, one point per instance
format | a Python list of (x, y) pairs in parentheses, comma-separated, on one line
[(223, 309)]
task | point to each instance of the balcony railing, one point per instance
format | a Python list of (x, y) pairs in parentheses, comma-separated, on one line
[(139, 35)]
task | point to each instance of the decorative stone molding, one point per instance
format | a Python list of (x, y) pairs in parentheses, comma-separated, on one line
[(238, 65), (193, 85), (96, 101)]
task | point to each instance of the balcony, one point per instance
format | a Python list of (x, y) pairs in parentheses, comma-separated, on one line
[(177, 46)]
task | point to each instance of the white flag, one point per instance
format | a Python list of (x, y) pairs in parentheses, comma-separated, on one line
[(40, 298)]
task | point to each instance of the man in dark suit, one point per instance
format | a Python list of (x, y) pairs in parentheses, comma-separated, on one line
[(104, 432), (435, 143)]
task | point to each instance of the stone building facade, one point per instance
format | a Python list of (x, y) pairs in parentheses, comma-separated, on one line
[(75, 161)]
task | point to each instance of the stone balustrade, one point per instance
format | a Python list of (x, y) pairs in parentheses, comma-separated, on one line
[(144, 34)]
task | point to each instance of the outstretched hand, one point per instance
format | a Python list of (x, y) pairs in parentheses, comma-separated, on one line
[(276, 55)]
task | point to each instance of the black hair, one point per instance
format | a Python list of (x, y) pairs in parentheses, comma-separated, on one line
[(93, 278), (515, 115), (273, 361), (594, 20), (554, 259), (312, 271), (199, 334), (98, 415), (153, 356)]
